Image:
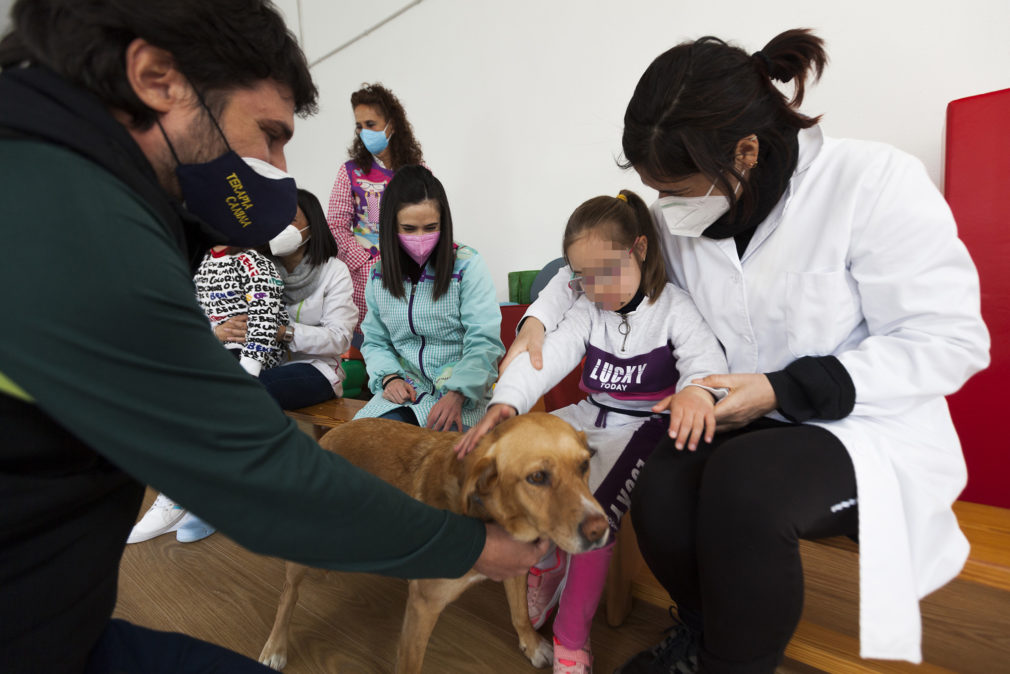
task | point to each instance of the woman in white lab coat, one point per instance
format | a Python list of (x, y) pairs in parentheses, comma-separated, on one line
[(832, 274)]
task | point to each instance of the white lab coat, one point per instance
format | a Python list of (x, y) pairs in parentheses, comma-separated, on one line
[(860, 259)]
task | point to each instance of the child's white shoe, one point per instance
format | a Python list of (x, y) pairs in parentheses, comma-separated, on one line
[(163, 516)]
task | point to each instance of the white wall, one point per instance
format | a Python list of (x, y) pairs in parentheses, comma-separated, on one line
[(519, 104)]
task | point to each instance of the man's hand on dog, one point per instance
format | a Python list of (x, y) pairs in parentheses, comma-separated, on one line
[(505, 557), (448, 411), (494, 416), (400, 392), (692, 413)]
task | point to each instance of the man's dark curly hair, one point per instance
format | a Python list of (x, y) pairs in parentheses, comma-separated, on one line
[(219, 45)]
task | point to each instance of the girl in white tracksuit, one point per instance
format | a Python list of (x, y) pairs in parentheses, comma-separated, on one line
[(644, 342)]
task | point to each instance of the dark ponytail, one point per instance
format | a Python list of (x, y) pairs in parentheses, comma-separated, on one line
[(621, 219), (789, 57), (697, 100)]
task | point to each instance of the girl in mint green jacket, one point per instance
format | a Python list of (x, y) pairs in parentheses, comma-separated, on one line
[(432, 331)]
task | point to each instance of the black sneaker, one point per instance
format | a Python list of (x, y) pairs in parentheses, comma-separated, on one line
[(677, 653)]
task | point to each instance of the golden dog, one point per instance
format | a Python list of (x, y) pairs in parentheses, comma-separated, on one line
[(529, 475)]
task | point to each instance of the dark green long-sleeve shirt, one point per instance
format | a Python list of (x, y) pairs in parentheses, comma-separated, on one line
[(101, 330)]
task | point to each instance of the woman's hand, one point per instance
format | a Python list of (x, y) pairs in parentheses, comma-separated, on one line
[(750, 397), (530, 338), (233, 329), (494, 416), (400, 392), (692, 413), (446, 412)]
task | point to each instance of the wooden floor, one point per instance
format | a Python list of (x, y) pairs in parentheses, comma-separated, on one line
[(348, 623)]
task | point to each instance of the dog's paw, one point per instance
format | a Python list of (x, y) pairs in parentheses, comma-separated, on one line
[(543, 656), (274, 661)]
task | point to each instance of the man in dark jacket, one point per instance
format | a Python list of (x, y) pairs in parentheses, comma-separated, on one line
[(111, 115)]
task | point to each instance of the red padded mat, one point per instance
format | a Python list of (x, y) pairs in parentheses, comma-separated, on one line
[(977, 187)]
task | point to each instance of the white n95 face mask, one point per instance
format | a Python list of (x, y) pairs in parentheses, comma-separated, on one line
[(690, 216), (287, 241)]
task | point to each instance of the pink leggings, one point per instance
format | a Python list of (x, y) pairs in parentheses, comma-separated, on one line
[(587, 574)]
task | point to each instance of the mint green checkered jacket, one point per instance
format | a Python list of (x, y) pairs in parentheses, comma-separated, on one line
[(453, 344)]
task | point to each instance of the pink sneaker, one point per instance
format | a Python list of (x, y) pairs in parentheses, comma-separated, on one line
[(544, 586), (572, 662)]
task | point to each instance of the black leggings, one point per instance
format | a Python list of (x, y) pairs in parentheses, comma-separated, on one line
[(720, 529)]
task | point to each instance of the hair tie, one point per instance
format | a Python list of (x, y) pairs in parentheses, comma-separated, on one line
[(769, 67), (622, 198)]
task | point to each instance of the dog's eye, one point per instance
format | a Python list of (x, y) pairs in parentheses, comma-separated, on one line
[(539, 478), (584, 468)]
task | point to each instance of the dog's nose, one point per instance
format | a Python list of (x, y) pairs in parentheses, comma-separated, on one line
[(594, 527)]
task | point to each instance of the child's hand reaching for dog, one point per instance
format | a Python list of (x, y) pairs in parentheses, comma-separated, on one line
[(494, 416), (692, 413)]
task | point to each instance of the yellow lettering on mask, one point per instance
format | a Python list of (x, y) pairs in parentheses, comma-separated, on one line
[(238, 211), (239, 189)]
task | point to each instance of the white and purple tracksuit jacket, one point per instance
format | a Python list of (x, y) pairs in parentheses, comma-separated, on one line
[(632, 361)]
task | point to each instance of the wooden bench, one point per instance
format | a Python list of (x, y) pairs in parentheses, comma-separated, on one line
[(966, 624), (326, 415)]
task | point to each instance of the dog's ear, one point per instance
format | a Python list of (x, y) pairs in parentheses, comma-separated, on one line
[(477, 485), (585, 442)]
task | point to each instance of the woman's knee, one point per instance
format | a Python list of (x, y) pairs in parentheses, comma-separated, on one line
[(742, 493), (664, 503), (781, 481)]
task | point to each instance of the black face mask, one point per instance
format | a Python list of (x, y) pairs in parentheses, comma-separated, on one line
[(247, 200)]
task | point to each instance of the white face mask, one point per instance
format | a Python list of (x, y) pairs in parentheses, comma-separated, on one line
[(287, 241), (690, 216)]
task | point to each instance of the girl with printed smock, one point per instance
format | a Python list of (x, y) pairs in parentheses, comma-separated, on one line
[(240, 291), (383, 142), (244, 284), (831, 272), (644, 345), (308, 326), (431, 333)]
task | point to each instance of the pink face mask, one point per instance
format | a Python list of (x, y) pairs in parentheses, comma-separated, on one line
[(419, 246)]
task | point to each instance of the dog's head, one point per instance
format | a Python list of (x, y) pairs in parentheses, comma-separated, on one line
[(530, 474)]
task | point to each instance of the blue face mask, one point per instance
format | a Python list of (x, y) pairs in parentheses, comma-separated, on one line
[(247, 200), (375, 141)]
